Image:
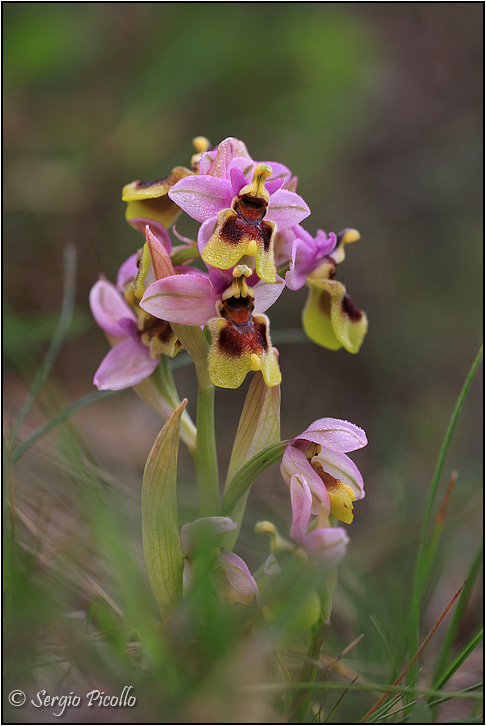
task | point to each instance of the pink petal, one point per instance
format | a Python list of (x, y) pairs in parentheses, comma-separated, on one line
[(187, 577), (335, 433), (127, 272), (273, 185), (202, 197), (286, 209), (217, 161), (108, 307), (327, 544), (184, 299), (301, 501), (205, 232), (294, 461), (125, 365), (159, 255), (267, 293), (157, 228), (238, 576), (238, 180)]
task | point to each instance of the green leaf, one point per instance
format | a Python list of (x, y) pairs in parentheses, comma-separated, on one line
[(245, 477), (459, 660), (456, 621), (259, 426), (160, 525), (423, 560)]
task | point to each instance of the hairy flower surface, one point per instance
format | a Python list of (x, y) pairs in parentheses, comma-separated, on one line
[(330, 317), (240, 216), (318, 457), (231, 303)]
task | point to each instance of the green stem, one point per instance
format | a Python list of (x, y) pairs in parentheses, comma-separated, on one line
[(168, 389), (205, 457)]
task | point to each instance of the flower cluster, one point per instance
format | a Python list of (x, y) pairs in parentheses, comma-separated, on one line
[(250, 246)]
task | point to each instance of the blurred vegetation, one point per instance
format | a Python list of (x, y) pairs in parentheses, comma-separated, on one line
[(377, 107)]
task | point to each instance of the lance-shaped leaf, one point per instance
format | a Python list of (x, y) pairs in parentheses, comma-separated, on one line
[(245, 477), (160, 525), (259, 426)]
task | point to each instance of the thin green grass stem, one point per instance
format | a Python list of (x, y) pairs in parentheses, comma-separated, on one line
[(459, 610), (69, 411), (57, 339), (422, 557)]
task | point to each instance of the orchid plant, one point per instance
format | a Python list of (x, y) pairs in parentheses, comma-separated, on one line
[(210, 297)]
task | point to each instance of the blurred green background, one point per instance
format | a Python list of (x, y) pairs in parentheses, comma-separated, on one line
[(377, 108)]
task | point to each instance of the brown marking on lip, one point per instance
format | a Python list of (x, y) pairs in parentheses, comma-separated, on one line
[(161, 329), (324, 302), (146, 184), (327, 479), (236, 229), (350, 309), (238, 338)]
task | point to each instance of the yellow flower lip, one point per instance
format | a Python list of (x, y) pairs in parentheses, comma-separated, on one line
[(341, 496)]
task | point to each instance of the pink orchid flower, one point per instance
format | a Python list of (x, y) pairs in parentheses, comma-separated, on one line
[(139, 340), (318, 457), (239, 216), (231, 303)]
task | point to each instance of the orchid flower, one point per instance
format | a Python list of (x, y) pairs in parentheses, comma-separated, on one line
[(239, 217), (326, 544), (139, 339), (148, 202), (318, 457), (231, 303), (330, 317), (237, 583), (307, 254)]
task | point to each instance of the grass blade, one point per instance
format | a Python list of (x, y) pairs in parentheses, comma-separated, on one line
[(419, 651), (459, 660), (57, 340), (69, 411), (245, 477), (422, 557), (453, 630)]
